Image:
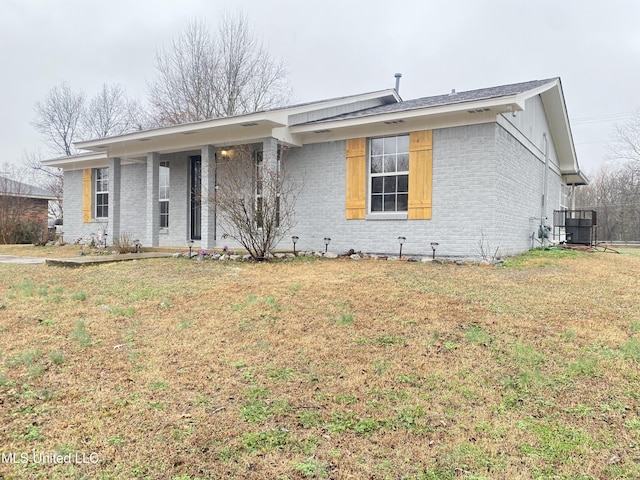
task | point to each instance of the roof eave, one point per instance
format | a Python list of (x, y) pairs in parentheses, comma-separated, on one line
[(509, 103)]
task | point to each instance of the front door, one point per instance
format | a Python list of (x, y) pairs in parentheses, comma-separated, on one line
[(196, 197)]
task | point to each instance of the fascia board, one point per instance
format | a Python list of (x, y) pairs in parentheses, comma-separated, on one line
[(75, 162), (28, 195), (555, 108), (311, 107), (500, 105), (273, 119)]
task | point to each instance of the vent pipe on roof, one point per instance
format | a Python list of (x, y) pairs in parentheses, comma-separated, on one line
[(398, 76)]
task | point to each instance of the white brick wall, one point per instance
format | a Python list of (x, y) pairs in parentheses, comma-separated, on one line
[(484, 181)]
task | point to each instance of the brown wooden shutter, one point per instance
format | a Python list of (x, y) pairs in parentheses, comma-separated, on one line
[(87, 195), (356, 199), (420, 175)]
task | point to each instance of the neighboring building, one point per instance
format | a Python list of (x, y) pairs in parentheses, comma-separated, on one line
[(21, 206), (457, 169)]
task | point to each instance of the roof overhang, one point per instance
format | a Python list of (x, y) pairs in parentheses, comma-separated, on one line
[(76, 162), (235, 130), (442, 116), (560, 129), (224, 131), (28, 195)]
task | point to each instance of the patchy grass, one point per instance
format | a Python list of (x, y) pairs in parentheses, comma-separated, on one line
[(324, 369)]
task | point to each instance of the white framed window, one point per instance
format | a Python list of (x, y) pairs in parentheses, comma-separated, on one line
[(273, 184), (102, 192), (259, 172), (164, 180), (389, 174)]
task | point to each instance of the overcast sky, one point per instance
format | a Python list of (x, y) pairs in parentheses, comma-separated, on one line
[(334, 48)]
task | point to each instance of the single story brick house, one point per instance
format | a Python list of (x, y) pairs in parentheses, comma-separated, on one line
[(458, 169), (21, 204)]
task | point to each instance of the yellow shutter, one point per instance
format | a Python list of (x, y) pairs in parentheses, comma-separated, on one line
[(356, 200), (86, 195), (420, 175)]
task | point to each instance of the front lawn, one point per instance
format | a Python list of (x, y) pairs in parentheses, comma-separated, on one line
[(312, 368)]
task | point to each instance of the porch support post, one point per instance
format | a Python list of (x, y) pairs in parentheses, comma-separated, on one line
[(207, 205), (153, 200), (270, 153), (113, 227)]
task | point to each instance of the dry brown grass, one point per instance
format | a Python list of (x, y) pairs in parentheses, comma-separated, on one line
[(178, 369)]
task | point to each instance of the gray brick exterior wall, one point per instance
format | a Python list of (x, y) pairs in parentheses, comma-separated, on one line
[(486, 185), (74, 227), (485, 182)]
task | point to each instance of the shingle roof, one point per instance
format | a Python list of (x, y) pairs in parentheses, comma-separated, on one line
[(13, 187), (447, 99)]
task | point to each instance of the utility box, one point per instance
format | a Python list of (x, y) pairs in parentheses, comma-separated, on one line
[(576, 226)]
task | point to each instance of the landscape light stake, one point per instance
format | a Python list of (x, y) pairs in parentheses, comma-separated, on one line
[(434, 245), (401, 240), (138, 245), (294, 239), (190, 244), (327, 240)]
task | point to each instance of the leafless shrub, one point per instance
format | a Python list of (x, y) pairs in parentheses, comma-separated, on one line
[(124, 243), (486, 250), (256, 200)]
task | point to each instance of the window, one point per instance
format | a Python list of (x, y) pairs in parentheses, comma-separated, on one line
[(389, 174), (272, 184), (164, 194), (102, 192), (259, 179)]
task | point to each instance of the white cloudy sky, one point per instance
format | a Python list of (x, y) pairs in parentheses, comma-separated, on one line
[(335, 48)]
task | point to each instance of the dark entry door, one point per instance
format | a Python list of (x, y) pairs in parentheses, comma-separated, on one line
[(196, 198)]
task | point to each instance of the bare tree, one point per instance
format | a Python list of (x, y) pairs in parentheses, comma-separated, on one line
[(625, 145), (255, 200), (210, 73), (49, 178), (59, 118), (111, 112), (614, 193)]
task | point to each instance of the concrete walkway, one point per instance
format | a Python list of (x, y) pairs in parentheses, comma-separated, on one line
[(84, 260), (90, 260), (16, 259)]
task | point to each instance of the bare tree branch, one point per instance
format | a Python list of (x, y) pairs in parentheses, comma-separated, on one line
[(111, 112), (255, 200), (215, 73), (58, 118)]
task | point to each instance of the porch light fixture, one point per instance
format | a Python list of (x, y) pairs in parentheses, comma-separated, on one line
[(294, 239), (327, 240), (434, 245), (401, 241), (190, 245)]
